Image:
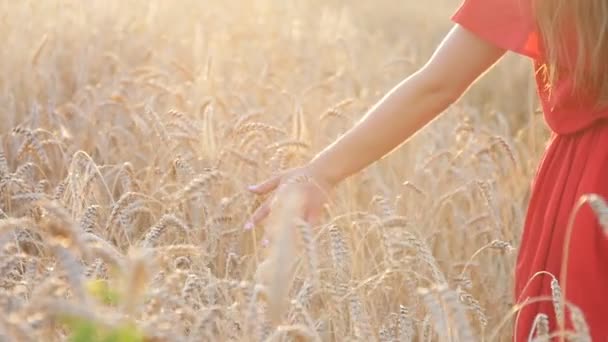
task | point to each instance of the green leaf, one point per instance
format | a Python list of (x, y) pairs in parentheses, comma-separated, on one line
[(82, 330), (99, 289), (127, 333)]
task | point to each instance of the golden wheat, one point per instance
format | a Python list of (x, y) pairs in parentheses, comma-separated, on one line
[(131, 130)]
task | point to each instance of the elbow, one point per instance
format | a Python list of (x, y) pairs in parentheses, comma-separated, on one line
[(442, 90), (451, 95), (443, 93)]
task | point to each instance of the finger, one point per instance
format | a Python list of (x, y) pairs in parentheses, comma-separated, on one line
[(260, 214), (266, 186), (312, 216)]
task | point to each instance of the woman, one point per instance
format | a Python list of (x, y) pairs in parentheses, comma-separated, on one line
[(568, 43)]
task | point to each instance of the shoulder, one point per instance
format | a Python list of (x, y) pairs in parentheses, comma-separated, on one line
[(509, 24)]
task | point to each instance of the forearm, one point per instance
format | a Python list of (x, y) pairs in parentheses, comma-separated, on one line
[(399, 115), (460, 59)]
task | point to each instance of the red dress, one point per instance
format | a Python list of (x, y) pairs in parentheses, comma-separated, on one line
[(574, 164)]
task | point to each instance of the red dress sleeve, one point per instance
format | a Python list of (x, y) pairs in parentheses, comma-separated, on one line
[(508, 24)]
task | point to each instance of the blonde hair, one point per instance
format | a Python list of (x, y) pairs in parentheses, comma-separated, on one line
[(575, 42)]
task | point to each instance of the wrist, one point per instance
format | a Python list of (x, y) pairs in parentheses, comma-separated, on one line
[(320, 170)]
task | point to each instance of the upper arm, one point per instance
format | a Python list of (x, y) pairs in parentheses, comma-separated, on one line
[(460, 59)]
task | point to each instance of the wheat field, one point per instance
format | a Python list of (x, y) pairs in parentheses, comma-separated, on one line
[(130, 130)]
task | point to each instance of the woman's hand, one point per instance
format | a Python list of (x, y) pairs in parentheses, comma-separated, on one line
[(309, 186)]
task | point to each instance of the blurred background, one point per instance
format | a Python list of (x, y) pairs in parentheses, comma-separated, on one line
[(135, 126)]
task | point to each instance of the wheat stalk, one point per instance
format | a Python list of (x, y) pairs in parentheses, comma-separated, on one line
[(145, 140), (540, 328), (155, 232)]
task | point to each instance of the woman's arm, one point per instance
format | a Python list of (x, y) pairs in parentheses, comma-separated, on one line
[(460, 59)]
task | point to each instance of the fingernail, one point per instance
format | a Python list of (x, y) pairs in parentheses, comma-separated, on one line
[(248, 226), (252, 188), (265, 242)]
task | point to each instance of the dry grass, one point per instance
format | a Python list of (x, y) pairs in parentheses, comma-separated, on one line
[(131, 128)]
